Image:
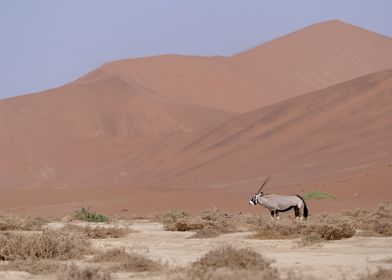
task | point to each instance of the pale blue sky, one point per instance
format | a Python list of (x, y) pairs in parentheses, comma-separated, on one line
[(46, 43)]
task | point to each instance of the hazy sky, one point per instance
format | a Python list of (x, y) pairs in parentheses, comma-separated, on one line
[(45, 44)]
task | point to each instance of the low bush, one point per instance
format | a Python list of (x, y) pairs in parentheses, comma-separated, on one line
[(380, 274), (231, 257), (207, 224), (33, 267), (49, 244), (122, 261), (85, 214), (74, 272), (27, 223), (230, 263), (312, 231), (98, 232)]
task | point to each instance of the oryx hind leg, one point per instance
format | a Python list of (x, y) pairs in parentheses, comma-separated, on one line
[(297, 213)]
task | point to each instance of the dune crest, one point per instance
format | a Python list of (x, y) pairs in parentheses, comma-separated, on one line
[(312, 58)]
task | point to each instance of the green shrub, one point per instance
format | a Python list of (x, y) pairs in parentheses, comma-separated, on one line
[(90, 216)]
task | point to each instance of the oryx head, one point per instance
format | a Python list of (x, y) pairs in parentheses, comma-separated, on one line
[(259, 193)]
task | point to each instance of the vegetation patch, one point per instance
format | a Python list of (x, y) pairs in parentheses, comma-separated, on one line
[(33, 267), (122, 261), (27, 223), (207, 224), (74, 272), (380, 274), (49, 244), (230, 263), (310, 232), (317, 195), (99, 232), (85, 214)]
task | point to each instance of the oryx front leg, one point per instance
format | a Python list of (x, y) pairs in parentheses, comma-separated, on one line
[(274, 214)]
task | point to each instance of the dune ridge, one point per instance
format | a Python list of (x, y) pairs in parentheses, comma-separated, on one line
[(309, 59)]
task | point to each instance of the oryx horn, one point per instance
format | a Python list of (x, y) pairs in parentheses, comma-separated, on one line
[(265, 182)]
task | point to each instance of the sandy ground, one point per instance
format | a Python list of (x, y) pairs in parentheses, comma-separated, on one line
[(344, 259)]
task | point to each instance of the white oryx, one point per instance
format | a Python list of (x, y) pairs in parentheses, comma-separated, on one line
[(280, 203)]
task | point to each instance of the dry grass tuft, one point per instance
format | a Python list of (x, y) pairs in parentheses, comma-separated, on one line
[(173, 220), (27, 223), (122, 261), (106, 232), (311, 231), (49, 244), (207, 224), (33, 267), (74, 272), (380, 274), (99, 232), (230, 263), (231, 257), (376, 221), (388, 260)]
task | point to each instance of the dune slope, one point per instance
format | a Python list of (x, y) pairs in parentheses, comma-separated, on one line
[(341, 131), (312, 58), (64, 136)]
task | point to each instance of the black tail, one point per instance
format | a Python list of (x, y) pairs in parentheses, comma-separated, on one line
[(306, 212)]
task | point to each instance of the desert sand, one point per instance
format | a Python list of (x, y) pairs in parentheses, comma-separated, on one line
[(341, 259), (312, 109)]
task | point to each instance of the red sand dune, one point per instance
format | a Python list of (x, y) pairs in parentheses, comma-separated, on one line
[(62, 137), (338, 132), (155, 133), (312, 58)]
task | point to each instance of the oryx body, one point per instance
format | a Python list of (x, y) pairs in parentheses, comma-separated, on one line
[(280, 203)]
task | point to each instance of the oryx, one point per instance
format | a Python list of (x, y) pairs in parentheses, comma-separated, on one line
[(280, 203)]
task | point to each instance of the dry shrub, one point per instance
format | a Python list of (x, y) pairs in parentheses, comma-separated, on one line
[(173, 220), (33, 267), (27, 223), (74, 272), (184, 225), (376, 220), (388, 260), (231, 257), (334, 232), (383, 227), (311, 239), (207, 224), (123, 261), (106, 232), (380, 274), (98, 232), (311, 232), (283, 229), (206, 232), (230, 263), (49, 244), (225, 274)]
